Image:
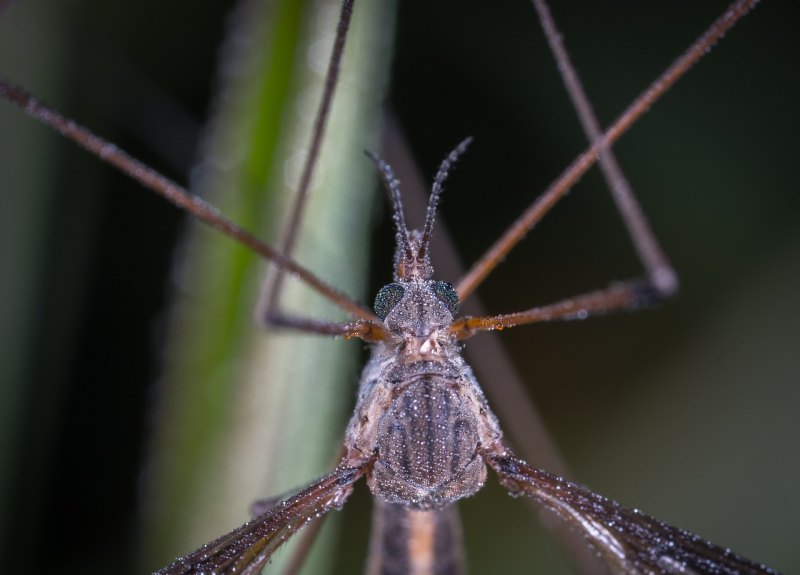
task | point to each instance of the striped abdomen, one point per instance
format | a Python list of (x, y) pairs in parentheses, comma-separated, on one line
[(412, 542), (427, 446)]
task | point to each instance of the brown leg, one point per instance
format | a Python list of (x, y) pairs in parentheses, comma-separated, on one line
[(628, 295), (268, 309), (174, 193), (659, 271), (558, 189)]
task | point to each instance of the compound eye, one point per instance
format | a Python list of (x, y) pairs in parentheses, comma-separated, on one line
[(388, 297), (448, 296)]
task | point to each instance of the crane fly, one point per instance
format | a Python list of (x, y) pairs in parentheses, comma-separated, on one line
[(627, 538)]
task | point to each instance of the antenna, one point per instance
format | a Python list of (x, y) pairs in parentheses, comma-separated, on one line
[(392, 185), (436, 191)]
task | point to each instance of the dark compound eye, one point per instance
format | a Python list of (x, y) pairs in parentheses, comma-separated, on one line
[(388, 297), (448, 295)]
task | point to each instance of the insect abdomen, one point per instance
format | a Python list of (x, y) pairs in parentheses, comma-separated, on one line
[(412, 542), (427, 441)]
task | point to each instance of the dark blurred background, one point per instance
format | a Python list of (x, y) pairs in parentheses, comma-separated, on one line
[(686, 411)]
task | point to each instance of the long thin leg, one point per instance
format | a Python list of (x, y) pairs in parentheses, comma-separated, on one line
[(661, 280), (176, 194), (659, 271), (498, 251), (629, 295), (268, 306)]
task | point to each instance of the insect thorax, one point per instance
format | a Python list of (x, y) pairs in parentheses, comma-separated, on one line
[(420, 410)]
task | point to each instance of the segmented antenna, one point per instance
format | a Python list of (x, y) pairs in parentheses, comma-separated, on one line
[(436, 191), (392, 185)]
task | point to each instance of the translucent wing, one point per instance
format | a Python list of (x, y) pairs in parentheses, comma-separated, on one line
[(246, 550), (629, 541)]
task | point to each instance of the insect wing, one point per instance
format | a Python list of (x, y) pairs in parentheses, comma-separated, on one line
[(247, 549), (629, 541)]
